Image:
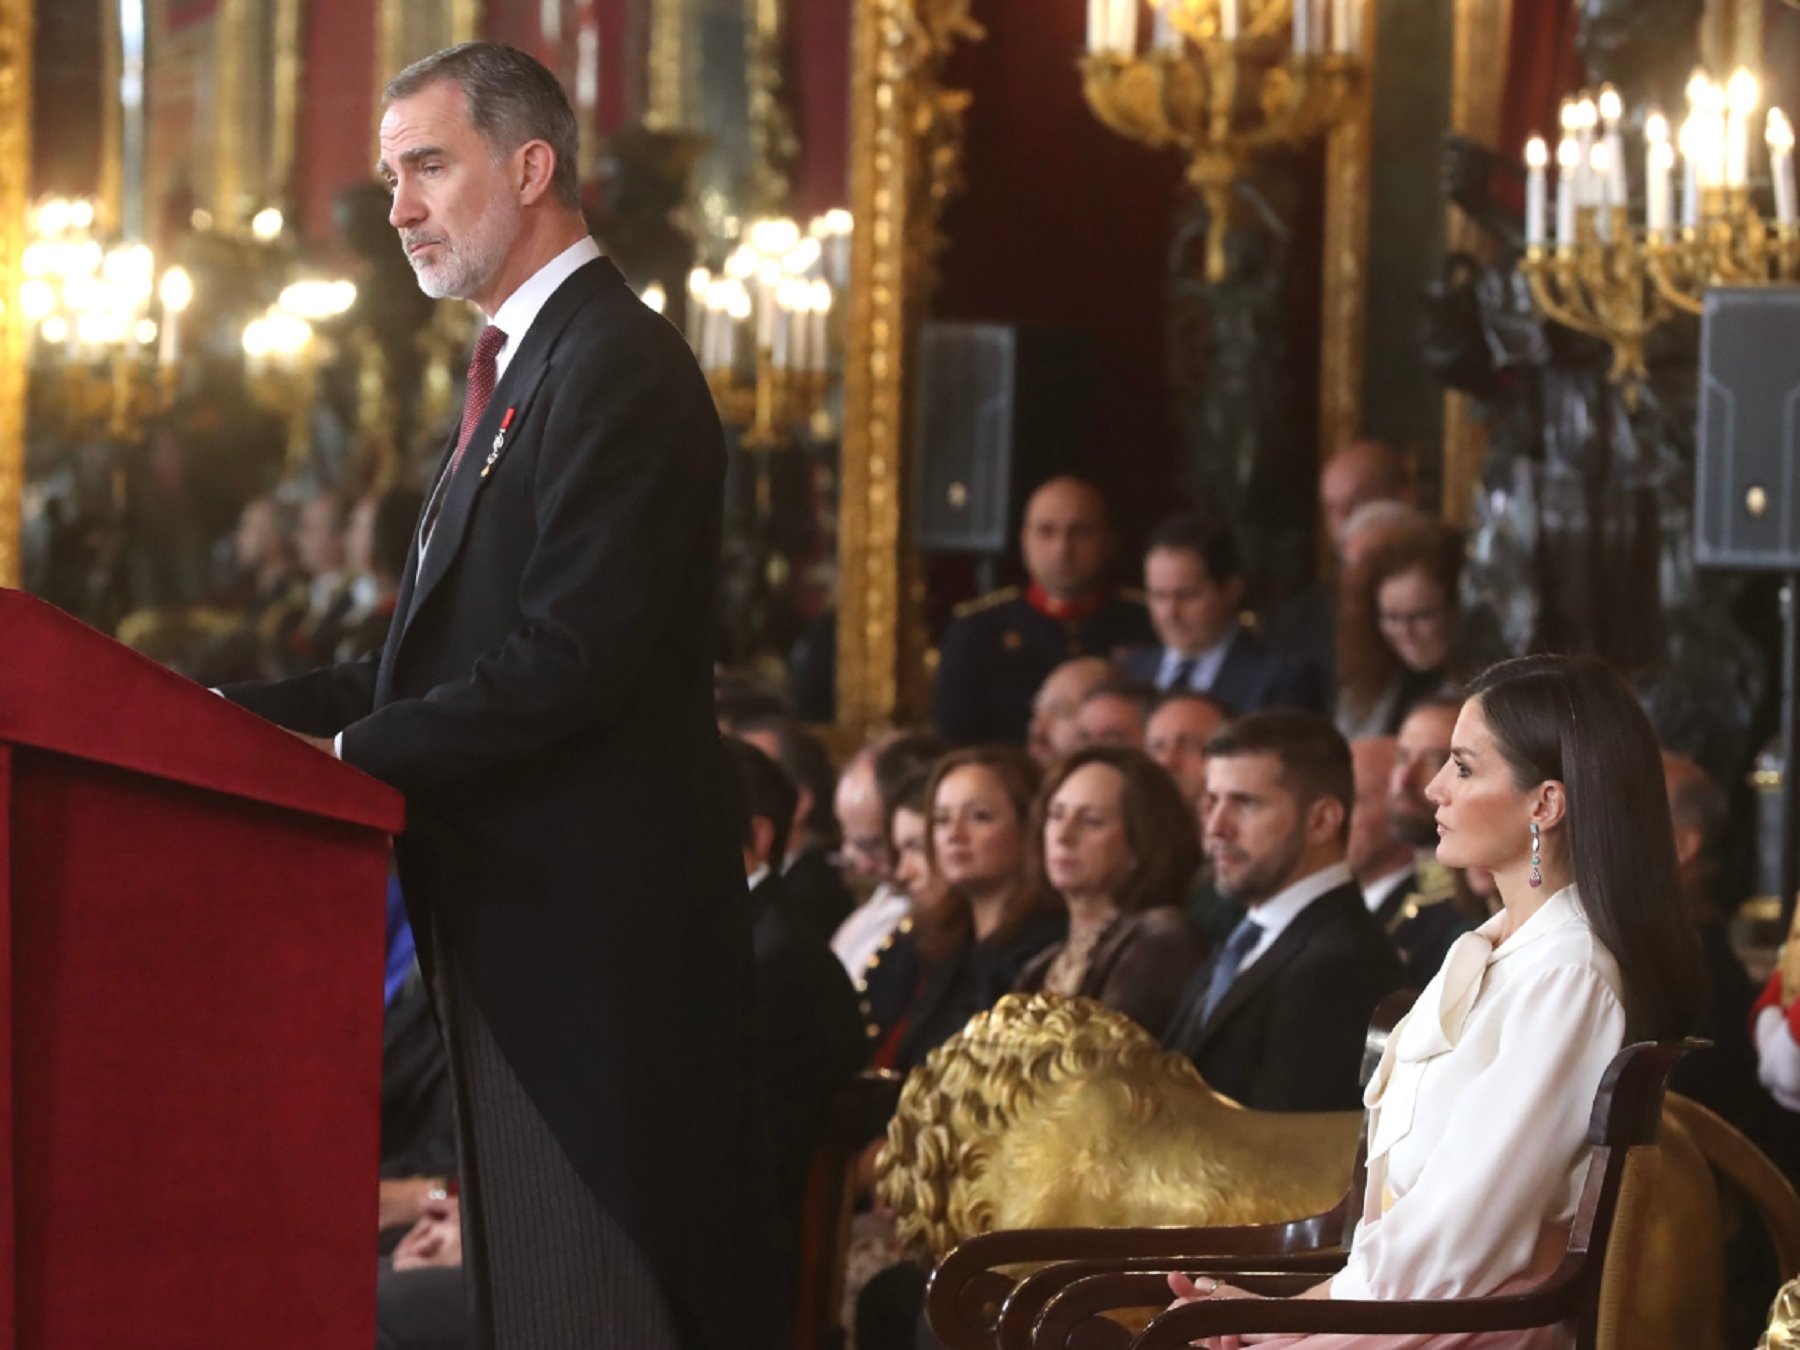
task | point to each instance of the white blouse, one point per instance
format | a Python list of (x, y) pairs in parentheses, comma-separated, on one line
[(1480, 1107)]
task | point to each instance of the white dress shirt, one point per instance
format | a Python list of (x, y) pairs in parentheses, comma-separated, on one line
[(1479, 1109), (1279, 910), (1778, 1058), (860, 936), (1207, 664)]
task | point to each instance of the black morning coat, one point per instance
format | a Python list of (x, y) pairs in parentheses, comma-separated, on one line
[(544, 702)]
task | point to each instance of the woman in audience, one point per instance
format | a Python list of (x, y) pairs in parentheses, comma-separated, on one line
[(1398, 634), (1111, 835), (1479, 1109)]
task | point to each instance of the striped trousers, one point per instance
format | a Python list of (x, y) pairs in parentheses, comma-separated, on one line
[(545, 1266)]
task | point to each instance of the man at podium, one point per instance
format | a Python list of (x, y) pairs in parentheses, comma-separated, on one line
[(543, 701)]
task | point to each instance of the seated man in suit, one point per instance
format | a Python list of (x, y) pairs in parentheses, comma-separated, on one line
[(1196, 595), (809, 1037), (809, 870), (999, 649), (1405, 890), (1276, 1019)]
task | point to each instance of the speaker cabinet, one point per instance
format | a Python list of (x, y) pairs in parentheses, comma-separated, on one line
[(997, 410), (1746, 497)]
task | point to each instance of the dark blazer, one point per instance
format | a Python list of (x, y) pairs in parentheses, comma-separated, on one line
[(957, 987), (1288, 1035), (817, 892), (1139, 967), (1251, 677), (810, 1038), (544, 701)]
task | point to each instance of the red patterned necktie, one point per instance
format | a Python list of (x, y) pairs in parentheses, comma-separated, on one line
[(483, 376)]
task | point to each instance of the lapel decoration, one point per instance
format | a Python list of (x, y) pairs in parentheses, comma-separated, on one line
[(499, 440)]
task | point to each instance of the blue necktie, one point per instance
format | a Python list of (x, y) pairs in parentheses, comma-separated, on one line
[(1183, 677), (1237, 947)]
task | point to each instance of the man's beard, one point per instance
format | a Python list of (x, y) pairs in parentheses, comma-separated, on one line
[(1415, 831), (464, 267), (1262, 879)]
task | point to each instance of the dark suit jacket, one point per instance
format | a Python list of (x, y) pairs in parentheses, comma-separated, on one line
[(1288, 1035), (810, 1038), (1251, 677), (957, 987), (1139, 967), (544, 701), (816, 891)]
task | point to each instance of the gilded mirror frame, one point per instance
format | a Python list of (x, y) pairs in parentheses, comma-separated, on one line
[(15, 177)]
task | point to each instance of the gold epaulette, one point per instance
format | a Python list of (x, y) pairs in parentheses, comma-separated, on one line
[(1433, 884), (988, 601)]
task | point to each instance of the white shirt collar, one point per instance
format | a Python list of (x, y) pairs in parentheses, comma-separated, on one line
[(1377, 891), (520, 309), (1207, 663), (1281, 909), (1562, 908), (756, 878)]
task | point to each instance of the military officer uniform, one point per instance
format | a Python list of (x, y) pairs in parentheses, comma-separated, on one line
[(1421, 920), (999, 648)]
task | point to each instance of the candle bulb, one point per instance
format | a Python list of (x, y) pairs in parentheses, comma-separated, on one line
[(1340, 26), (1096, 26), (1568, 188), (1164, 36), (1587, 117), (1780, 137), (1600, 178), (1690, 172), (1303, 26), (1125, 26), (1231, 20), (1537, 157), (1612, 108), (1742, 96), (1659, 158)]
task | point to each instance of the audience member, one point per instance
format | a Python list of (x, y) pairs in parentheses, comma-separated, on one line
[(867, 863), (1361, 474), (1437, 906), (1397, 642), (1056, 708), (376, 546), (999, 649), (1176, 736), (889, 764), (809, 871), (1276, 1019), (1196, 595), (1115, 712), (809, 1038), (1111, 836), (1408, 892)]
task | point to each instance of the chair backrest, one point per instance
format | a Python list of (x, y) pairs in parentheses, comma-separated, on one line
[(1623, 1130), (856, 1116)]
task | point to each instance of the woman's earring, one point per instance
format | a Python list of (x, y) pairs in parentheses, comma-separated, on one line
[(1537, 877)]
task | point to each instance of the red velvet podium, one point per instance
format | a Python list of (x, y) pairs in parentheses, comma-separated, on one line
[(191, 956)]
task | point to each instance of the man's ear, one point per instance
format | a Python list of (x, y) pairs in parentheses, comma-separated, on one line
[(1325, 820), (534, 167)]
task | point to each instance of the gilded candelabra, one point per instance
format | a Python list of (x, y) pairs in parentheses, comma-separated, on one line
[(1224, 81), (1611, 279)]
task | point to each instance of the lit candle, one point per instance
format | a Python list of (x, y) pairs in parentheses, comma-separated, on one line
[(1340, 25), (1537, 156), (1742, 97), (1231, 20), (1690, 138), (1612, 108), (1125, 26), (1587, 117), (1659, 158), (1096, 27), (1164, 36), (1713, 124), (1780, 136), (1600, 179), (1303, 27), (816, 343), (1353, 36), (1568, 188)]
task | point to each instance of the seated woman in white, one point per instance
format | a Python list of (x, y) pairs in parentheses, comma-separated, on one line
[(1479, 1109)]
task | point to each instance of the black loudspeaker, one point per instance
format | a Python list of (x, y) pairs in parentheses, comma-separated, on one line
[(997, 409), (1747, 484)]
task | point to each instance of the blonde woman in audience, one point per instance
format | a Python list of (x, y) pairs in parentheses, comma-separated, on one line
[(1479, 1109), (1112, 836)]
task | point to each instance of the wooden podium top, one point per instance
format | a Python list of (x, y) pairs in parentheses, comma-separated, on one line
[(69, 690)]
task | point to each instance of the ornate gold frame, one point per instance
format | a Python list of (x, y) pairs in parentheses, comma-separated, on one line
[(15, 174), (1343, 310), (906, 162), (1477, 93)]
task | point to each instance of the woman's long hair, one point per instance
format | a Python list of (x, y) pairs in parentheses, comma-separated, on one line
[(1573, 719), (1159, 827)]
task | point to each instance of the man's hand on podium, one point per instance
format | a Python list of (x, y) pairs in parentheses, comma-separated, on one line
[(325, 743)]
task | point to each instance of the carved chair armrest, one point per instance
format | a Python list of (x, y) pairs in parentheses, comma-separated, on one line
[(1039, 1314), (1549, 1303), (964, 1296)]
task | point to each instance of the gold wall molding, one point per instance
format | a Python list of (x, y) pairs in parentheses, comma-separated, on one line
[(673, 66), (1344, 300), (15, 174), (112, 116), (285, 108), (1477, 99), (406, 30), (228, 85), (906, 143)]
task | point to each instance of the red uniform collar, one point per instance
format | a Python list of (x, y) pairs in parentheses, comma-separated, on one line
[(1069, 611)]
